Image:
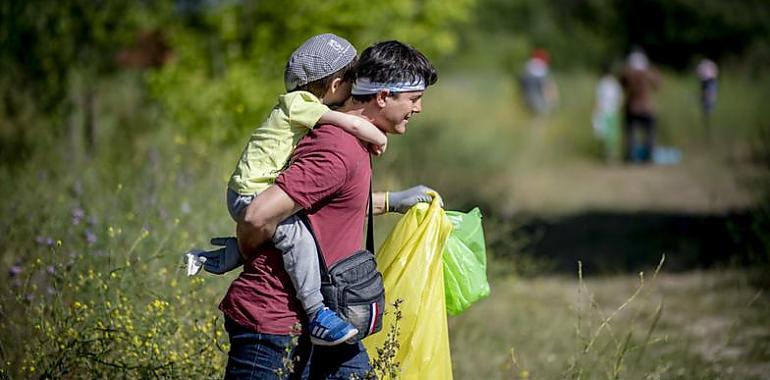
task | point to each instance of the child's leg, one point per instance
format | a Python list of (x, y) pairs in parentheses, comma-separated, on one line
[(237, 204), (300, 260)]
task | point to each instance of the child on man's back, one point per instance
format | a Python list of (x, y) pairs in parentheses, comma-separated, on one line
[(316, 76)]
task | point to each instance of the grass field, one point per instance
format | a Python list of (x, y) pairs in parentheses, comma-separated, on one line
[(696, 325), (92, 285)]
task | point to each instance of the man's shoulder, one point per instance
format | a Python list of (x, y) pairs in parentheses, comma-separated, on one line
[(326, 141)]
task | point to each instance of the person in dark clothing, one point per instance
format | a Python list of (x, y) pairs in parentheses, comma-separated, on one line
[(639, 82)]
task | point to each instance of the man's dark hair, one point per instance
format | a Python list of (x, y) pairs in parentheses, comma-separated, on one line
[(320, 86), (393, 62)]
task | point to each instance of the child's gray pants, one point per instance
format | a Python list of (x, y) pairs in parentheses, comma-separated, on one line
[(297, 245)]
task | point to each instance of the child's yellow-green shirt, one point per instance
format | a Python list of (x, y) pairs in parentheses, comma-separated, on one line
[(272, 143)]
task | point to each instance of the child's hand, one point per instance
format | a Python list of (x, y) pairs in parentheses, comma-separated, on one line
[(369, 132), (377, 150)]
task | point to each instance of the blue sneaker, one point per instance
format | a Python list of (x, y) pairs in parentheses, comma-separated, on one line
[(328, 329)]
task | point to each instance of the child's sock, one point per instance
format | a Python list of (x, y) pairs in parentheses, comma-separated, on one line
[(313, 310)]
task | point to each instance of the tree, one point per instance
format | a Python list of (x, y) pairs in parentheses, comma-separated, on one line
[(229, 56), (48, 46)]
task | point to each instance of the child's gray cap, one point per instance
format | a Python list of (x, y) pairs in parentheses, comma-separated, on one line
[(318, 57)]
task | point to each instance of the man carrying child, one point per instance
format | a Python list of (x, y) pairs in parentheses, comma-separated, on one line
[(329, 180)]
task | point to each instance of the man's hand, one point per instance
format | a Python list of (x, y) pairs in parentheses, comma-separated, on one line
[(261, 218), (401, 201)]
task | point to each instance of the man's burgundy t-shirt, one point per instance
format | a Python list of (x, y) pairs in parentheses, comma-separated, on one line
[(329, 177)]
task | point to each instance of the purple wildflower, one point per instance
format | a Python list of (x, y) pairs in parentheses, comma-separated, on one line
[(77, 215), (50, 269), (90, 236), (15, 270)]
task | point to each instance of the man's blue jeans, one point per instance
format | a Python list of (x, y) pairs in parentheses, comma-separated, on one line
[(259, 356)]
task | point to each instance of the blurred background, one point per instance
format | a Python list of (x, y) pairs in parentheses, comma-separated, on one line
[(120, 123)]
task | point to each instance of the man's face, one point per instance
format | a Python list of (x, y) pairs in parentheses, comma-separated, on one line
[(398, 109)]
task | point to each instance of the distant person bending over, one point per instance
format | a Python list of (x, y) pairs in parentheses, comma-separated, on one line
[(639, 81)]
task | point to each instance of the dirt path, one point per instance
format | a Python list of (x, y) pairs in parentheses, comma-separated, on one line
[(699, 184)]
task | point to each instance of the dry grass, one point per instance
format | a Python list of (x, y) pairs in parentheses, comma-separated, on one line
[(711, 325)]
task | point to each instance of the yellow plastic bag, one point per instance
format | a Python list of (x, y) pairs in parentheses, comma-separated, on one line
[(411, 263)]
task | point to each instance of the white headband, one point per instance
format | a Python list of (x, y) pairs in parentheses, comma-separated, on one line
[(364, 86)]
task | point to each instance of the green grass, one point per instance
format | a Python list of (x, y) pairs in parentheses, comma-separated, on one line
[(710, 325)]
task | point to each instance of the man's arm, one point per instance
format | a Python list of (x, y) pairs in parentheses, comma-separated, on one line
[(261, 219), (378, 203)]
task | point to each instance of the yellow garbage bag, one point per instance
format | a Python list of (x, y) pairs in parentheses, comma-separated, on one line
[(411, 263)]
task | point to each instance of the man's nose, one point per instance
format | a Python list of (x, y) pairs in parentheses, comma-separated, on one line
[(417, 106)]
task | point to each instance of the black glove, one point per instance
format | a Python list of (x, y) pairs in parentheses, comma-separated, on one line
[(216, 261)]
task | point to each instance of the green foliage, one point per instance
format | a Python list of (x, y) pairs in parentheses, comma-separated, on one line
[(53, 54), (384, 363), (574, 32), (94, 286), (113, 333), (229, 58), (682, 30), (592, 32), (44, 43)]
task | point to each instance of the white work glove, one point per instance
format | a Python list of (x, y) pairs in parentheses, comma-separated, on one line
[(402, 201), (217, 261)]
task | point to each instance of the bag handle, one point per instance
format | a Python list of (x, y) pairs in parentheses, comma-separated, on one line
[(370, 223), (325, 278)]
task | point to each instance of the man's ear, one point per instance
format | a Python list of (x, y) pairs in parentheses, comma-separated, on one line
[(381, 97)]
